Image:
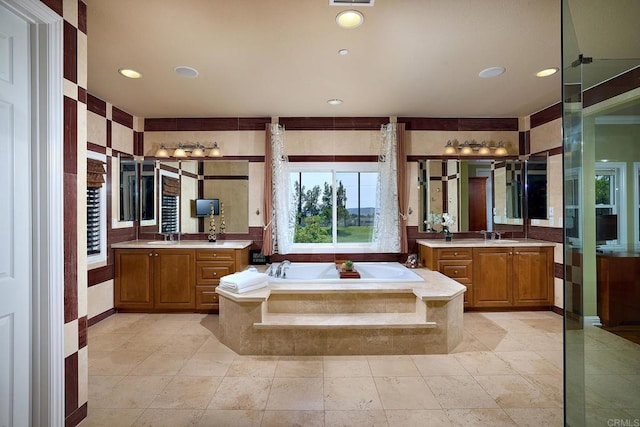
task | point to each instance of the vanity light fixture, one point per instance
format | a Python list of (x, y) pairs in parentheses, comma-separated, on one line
[(189, 150), (349, 19), (130, 73), (547, 72), (468, 148)]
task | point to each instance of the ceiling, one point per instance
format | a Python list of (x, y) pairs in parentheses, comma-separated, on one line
[(280, 57)]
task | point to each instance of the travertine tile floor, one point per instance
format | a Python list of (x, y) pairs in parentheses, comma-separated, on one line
[(170, 370)]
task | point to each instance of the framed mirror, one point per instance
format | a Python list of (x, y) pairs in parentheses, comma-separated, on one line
[(225, 180), (128, 175), (480, 193), (536, 188)]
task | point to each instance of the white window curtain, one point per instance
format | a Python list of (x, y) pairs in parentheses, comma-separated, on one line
[(284, 224), (386, 236)]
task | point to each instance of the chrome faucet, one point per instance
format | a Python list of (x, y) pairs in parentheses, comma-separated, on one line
[(496, 235), (281, 271), (484, 234)]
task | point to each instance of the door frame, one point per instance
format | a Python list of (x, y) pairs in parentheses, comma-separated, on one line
[(47, 238)]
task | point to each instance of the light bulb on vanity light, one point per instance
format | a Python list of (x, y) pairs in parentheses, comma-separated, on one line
[(215, 151), (162, 151), (179, 152)]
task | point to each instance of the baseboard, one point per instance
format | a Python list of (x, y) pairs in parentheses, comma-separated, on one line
[(99, 317), (557, 310), (591, 321)]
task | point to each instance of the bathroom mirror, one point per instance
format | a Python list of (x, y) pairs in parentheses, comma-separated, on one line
[(128, 188), (226, 180), (147, 192), (508, 198), (473, 190), (536, 188)]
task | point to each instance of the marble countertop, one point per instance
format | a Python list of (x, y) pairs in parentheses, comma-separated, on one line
[(436, 286), (481, 243), (182, 244)]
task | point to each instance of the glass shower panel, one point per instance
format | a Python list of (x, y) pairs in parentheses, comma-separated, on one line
[(602, 361)]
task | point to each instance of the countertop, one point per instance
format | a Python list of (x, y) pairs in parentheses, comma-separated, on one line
[(182, 244), (481, 243)]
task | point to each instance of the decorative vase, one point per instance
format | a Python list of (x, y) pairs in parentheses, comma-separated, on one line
[(212, 227)]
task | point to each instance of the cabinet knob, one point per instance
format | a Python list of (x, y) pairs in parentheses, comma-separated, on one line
[(150, 254), (455, 272), (155, 254), (510, 253), (455, 254), (215, 274), (215, 255)]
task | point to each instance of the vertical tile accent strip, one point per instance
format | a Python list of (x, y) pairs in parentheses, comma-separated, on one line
[(70, 248), (70, 154), (82, 17), (70, 38), (55, 5), (109, 133), (71, 384), (82, 332)]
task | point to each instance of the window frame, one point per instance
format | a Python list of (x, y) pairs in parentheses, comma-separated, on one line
[(101, 256), (619, 207), (333, 168)]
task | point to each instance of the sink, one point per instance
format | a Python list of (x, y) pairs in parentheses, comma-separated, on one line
[(162, 242), (499, 241)]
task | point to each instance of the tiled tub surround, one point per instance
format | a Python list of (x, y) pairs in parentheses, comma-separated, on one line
[(349, 318)]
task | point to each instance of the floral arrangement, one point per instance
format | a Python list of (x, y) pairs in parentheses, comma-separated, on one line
[(447, 221)]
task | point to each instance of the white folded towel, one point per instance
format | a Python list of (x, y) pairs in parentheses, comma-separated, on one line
[(244, 281)]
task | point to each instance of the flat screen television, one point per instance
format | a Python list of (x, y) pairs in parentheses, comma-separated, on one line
[(606, 228), (203, 207)]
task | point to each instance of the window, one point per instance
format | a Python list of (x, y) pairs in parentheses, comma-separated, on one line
[(334, 204), (96, 209), (169, 216), (609, 189)]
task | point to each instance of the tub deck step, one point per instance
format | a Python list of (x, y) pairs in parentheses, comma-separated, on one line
[(343, 321)]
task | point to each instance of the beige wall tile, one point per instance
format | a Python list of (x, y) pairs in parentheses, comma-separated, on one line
[(69, 89), (121, 138), (96, 129), (83, 375), (546, 136), (70, 13), (82, 56), (70, 338), (100, 298)]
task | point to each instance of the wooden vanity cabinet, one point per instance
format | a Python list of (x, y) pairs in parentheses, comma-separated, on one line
[(456, 263), (513, 276), (493, 268), (211, 265), (496, 277), (134, 279), (174, 279), (148, 279)]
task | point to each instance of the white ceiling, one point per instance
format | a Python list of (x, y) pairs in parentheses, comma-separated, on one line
[(280, 57)]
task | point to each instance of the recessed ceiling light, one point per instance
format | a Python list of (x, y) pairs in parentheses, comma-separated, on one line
[(343, 52), (128, 72), (491, 72), (350, 19), (334, 101), (547, 72), (186, 71)]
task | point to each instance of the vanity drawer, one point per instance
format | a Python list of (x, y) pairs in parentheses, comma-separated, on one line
[(206, 297), (216, 255), (459, 270), (210, 272), (455, 253)]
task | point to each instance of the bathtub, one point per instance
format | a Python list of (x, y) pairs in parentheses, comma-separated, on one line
[(326, 272)]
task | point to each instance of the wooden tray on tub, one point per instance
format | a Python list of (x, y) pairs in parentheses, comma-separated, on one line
[(347, 274)]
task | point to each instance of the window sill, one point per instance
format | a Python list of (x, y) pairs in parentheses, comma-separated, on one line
[(332, 249)]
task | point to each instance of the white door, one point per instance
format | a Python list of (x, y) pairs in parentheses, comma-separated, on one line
[(15, 221)]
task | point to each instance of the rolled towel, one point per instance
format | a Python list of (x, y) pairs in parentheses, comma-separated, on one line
[(243, 280)]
